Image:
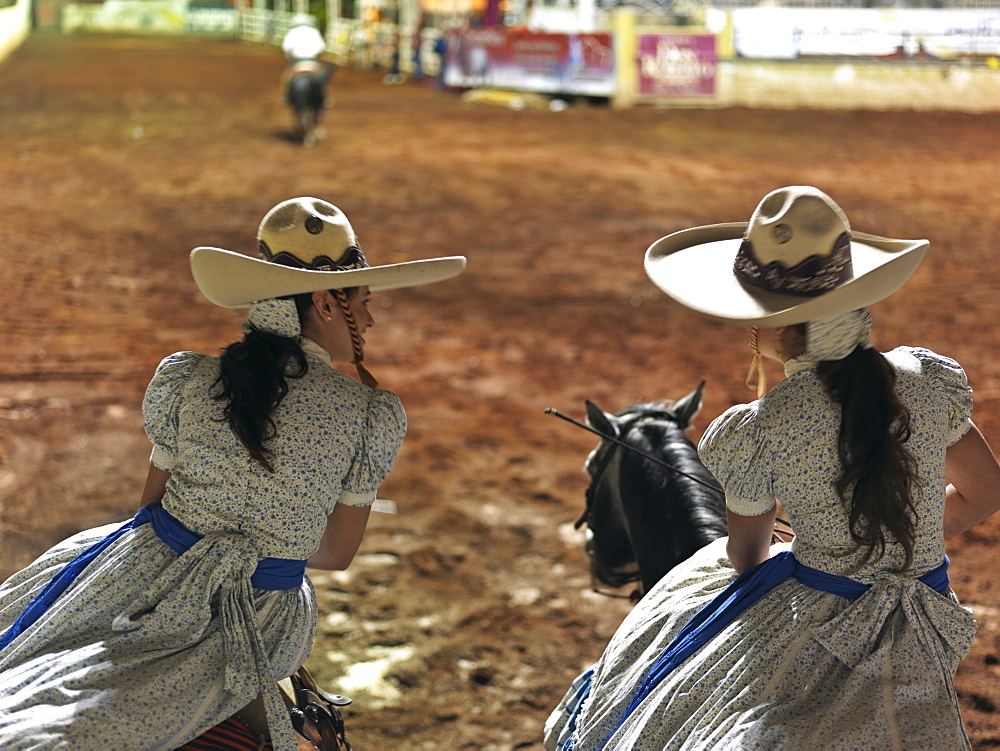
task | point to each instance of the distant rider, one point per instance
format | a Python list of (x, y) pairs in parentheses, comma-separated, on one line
[(303, 45)]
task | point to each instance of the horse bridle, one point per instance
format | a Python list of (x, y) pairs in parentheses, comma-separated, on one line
[(650, 457), (668, 465), (595, 479), (606, 459), (622, 579)]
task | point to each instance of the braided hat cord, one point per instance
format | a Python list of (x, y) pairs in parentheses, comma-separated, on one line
[(359, 354), (756, 378)]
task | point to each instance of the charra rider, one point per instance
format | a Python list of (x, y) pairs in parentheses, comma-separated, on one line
[(307, 74)]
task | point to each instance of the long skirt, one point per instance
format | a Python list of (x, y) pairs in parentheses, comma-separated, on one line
[(800, 669), (146, 649)]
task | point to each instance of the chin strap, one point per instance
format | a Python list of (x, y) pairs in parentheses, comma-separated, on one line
[(756, 372), (359, 354)]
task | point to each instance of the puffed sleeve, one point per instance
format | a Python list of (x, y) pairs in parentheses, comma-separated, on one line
[(161, 404), (381, 438), (733, 449), (951, 383)]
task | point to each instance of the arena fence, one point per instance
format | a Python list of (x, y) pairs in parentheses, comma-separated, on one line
[(628, 62), (349, 41), (847, 61), (261, 25)]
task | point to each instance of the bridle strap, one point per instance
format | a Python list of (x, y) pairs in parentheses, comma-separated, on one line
[(607, 458), (650, 457)]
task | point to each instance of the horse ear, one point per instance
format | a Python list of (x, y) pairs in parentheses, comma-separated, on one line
[(688, 407), (600, 420)]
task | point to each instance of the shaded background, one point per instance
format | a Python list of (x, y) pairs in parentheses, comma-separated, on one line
[(466, 615)]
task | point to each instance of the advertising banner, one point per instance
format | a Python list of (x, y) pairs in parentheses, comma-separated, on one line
[(677, 65), (210, 18), (527, 61), (865, 32)]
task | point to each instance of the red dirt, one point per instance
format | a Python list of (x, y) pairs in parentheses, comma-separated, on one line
[(122, 154)]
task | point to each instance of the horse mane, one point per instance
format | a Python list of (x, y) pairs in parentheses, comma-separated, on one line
[(705, 507), (641, 510)]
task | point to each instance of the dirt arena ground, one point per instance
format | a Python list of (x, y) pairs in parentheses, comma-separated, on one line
[(467, 614)]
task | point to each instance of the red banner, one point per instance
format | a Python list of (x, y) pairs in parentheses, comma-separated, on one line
[(528, 61)]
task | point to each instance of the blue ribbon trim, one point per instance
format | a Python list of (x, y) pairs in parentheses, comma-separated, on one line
[(60, 583), (573, 707), (743, 592), (270, 574)]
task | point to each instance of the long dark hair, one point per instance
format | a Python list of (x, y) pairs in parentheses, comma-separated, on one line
[(252, 382), (874, 429)]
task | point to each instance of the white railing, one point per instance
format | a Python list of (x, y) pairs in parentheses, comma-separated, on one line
[(342, 36), (348, 41), (260, 25)]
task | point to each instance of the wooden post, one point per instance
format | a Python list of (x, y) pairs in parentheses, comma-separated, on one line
[(626, 65)]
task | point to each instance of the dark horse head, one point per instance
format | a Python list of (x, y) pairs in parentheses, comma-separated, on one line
[(644, 517)]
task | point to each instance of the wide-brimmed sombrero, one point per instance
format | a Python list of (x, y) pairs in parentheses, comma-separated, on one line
[(796, 260), (305, 245)]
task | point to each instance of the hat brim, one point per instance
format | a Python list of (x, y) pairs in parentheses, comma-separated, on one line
[(695, 268), (233, 280)]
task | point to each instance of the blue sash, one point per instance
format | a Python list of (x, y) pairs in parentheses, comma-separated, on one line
[(270, 574), (743, 592)]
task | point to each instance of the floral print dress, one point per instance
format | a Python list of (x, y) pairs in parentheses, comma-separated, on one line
[(147, 649), (801, 668)]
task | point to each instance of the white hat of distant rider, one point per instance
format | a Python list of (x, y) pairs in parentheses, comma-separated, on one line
[(306, 245), (796, 260), (303, 19)]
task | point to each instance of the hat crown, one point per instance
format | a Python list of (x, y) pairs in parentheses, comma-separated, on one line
[(309, 233), (791, 224), (798, 242)]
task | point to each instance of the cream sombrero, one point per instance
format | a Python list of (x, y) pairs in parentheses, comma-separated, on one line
[(796, 260), (306, 245)]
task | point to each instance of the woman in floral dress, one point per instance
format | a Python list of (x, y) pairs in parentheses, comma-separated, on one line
[(264, 460), (849, 637)]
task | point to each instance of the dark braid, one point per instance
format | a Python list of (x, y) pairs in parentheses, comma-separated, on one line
[(874, 429)]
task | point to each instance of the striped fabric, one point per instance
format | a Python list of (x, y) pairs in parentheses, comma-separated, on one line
[(229, 735)]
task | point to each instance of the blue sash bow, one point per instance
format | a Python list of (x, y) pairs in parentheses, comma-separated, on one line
[(743, 592), (270, 574)]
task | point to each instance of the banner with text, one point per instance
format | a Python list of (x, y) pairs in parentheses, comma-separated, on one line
[(893, 33), (527, 61), (677, 66)]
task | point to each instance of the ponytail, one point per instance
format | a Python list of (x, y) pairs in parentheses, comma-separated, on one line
[(874, 429), (252, 382)]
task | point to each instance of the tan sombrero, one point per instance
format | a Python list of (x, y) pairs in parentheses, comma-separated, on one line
[(796, 260), (306, 245)]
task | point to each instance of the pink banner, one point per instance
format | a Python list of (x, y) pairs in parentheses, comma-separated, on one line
[(677, 65), (527, 61)]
